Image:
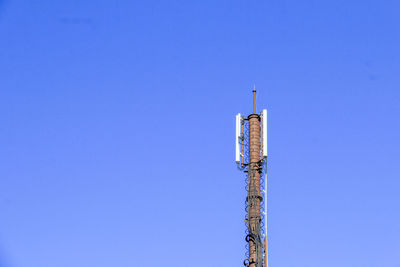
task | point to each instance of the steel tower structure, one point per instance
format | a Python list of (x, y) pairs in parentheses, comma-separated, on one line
[(251, 158)]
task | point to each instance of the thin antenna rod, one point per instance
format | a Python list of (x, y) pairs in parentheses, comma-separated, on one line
[(254, 100)]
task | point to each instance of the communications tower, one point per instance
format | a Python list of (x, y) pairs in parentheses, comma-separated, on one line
[(251, 158)]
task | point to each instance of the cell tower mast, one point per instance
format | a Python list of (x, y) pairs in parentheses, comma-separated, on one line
[(251, 158)]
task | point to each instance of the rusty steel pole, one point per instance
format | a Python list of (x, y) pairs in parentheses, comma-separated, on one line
[(254, 197)]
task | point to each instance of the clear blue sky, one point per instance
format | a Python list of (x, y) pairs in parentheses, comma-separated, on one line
[(117, 131)]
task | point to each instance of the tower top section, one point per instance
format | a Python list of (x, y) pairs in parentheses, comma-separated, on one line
[(243, 133)]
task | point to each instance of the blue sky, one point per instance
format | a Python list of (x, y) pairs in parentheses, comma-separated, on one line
[(117, 131)]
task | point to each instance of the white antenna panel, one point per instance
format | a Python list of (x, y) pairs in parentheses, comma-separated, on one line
[(238, 134), (264, 125)]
